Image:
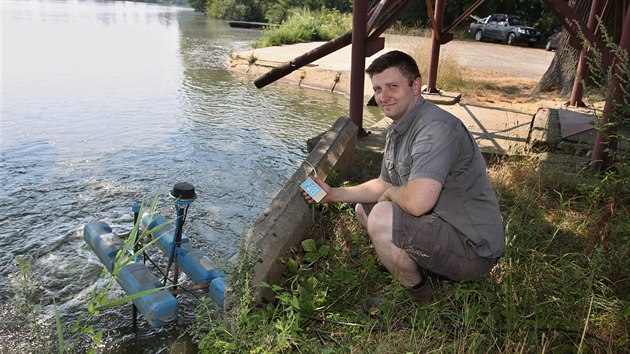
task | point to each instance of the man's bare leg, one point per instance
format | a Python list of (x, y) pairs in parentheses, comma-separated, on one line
[(395, 259)]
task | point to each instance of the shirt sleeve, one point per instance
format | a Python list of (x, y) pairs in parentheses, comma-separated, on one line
[(434, 151)]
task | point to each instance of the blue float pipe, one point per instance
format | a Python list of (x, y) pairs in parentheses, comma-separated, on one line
[(193, 262), (159, 307)]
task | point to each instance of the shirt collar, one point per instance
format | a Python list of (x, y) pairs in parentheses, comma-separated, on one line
[(405, 122)]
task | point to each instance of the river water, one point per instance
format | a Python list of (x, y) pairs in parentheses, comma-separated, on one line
[(105, 104)]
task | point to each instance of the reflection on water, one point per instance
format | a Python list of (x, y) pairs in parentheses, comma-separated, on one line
[(109, 103)]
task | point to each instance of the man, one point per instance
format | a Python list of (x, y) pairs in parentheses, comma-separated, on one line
[(432, 209)]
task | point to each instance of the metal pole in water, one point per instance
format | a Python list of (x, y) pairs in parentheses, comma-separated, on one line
[(183, 194), (136, 212)]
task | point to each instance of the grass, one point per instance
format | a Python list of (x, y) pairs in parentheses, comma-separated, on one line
[(306, 26), (558, 288), (451, 75)]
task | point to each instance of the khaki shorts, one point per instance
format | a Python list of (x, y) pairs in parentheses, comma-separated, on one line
[(436, 246)]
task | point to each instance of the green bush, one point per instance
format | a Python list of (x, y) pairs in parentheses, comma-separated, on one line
[(238, 10), (306, 26)]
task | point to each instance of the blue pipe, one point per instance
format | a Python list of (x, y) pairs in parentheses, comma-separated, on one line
[(159, 307), (193, 262)]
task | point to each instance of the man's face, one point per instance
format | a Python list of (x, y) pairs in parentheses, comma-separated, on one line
[(393, 93)]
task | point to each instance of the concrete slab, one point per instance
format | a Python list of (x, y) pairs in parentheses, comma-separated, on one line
[(577, 126), (287, 219), (443, 97), (333, 70), (544, 133), (496, 130), (566, 131)]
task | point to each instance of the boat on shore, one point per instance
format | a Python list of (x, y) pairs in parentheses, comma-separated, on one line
[(248, 24)]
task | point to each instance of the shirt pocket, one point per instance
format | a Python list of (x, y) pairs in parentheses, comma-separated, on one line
[(403, 168), (391, 172), (420, 148)]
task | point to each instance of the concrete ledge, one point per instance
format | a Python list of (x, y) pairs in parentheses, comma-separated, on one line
[(287, 219), (443, 97), (544, 133), (311, 76)]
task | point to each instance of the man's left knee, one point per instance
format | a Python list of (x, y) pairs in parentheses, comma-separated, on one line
[(361, 215), (380, 218)]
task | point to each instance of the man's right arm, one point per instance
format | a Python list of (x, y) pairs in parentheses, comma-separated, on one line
[(367, 192)]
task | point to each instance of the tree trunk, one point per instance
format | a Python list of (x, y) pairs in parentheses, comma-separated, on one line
[(561, 72)]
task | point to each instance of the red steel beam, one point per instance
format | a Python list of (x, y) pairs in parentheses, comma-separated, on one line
[(463, 16), (440, 37), (357, 68), (375, 15), (568, 18), (391, 19), (436, 21), (304, 59), (582, 68), (429, 5), (605, 141)]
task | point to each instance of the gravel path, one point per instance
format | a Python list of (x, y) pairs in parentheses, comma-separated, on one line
[(511, 61)]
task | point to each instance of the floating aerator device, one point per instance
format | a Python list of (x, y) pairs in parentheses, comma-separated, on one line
[(160, 306)]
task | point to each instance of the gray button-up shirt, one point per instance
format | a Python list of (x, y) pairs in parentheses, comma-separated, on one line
[(429, 142)]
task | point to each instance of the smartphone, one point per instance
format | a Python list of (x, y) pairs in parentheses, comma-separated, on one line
[(313, 189)]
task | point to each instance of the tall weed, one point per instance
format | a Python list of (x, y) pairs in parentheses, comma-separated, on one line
[(304, 25)]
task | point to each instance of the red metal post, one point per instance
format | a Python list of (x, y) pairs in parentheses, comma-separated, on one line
[(582, 68), (391, 19), (618, 19), (435, 46), (463, 16), (304, 59), (357, 68), (601, 158)]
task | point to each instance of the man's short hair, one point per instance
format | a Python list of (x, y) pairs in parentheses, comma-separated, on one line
[(404, 62)]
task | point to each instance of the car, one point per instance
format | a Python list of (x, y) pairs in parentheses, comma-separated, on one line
[(553, 42), (510, 29)]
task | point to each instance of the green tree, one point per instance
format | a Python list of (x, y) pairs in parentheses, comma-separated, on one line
[(273, 11), (279, 11), (239, 10), (340, 5)]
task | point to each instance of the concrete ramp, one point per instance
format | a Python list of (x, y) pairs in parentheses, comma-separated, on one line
[(496, 130), (287, 219)]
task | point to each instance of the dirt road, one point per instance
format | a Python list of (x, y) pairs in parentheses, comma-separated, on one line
[(503, 60)]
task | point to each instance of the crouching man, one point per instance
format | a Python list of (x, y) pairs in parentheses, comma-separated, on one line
[(432, 210)]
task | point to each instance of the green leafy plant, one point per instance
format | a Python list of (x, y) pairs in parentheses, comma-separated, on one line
[(612, 194), (24, 287), (305, 26), (26, 301)]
